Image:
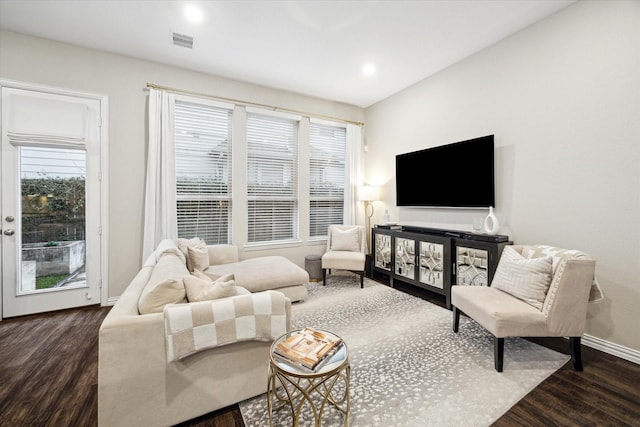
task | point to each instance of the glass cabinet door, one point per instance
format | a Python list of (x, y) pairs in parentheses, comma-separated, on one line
[(431, 256), (383, 251), (405, 257), (472, 266)]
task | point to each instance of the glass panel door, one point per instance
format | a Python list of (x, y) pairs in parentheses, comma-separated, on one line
[(405, 257), (52, 219), (383, 251), (432, 264), (473, 266), (50, 201)]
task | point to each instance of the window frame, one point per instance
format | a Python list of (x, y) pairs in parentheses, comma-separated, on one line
[(340, 181), (253, 195), (211, 196)]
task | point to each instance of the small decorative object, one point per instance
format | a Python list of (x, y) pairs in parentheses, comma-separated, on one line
[(491, 224), (386, 219)]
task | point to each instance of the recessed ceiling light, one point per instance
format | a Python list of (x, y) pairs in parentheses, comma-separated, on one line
[(192, 13), (368, 69)]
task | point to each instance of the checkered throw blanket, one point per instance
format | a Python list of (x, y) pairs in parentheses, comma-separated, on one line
[(198, 326)]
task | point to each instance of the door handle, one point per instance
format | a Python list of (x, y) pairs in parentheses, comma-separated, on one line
[(9, 232)]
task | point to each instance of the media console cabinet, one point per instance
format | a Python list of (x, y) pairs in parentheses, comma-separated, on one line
[(435, 259)]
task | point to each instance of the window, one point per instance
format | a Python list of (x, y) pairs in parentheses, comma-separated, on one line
[(203, 171), (327, 145), (53, 194), (272, 178)]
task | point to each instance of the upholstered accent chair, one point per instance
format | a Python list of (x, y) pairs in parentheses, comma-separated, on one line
[(537, 291), (346, 250)]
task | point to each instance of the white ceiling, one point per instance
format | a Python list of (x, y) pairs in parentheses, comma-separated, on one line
[(316, 48)]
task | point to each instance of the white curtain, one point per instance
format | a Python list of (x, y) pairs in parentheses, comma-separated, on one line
[(160, 195), (354, 210)]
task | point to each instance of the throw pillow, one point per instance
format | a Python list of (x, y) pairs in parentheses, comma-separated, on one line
[(183, 245), (164, 286), (527, 279), (198, 256), (345, 240), (205, 290), (170, 291)]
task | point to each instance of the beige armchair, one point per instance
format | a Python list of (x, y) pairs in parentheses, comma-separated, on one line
[(537, 291), (346, 250)]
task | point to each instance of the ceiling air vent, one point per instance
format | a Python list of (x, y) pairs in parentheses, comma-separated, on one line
[(183, 40)]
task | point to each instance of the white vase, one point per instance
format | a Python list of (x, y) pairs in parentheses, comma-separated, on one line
[(491, 224)]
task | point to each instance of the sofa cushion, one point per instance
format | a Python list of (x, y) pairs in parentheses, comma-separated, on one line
[(263, 273), (199, 289), (499, 312), (203, 276), (169, 246), (222, 253), (165, 285), (344, 260), (525, 278)]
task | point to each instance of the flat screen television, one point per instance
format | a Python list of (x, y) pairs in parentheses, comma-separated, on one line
[(458, 175)]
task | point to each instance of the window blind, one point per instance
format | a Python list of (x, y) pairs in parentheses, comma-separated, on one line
[(46, 120), (272, 178), (203, 171), (327, 146)]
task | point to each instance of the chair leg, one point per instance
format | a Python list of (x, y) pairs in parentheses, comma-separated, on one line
[(456, 319), (576, 353), (498, 353), (324, 277), (361, 279)]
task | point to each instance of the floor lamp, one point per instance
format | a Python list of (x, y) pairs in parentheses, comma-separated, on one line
[(368, 194)]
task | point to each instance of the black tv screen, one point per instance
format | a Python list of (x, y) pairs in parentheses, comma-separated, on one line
[(459, 175)]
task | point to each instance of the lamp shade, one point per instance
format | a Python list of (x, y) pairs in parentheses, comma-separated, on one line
[(368, 192)]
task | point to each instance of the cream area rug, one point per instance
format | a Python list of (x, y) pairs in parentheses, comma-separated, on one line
[(408, 368)]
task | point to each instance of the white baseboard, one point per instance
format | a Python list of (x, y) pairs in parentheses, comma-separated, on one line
[(620, 351)]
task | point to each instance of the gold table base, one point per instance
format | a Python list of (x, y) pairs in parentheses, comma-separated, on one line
[(298, 392)]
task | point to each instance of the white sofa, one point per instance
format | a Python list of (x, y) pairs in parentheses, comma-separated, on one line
[(136, 384)]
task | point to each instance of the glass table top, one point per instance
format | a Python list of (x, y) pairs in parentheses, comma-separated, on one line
[(331, 363)]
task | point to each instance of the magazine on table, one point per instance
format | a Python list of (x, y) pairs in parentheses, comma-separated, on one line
[(308, 347)]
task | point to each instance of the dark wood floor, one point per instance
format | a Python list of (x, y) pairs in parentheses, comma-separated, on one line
[(49, 373)]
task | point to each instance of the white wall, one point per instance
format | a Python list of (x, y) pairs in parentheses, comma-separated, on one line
[(123, 80), (563, 100)]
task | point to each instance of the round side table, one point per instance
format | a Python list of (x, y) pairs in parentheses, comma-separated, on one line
[(298, 388)]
